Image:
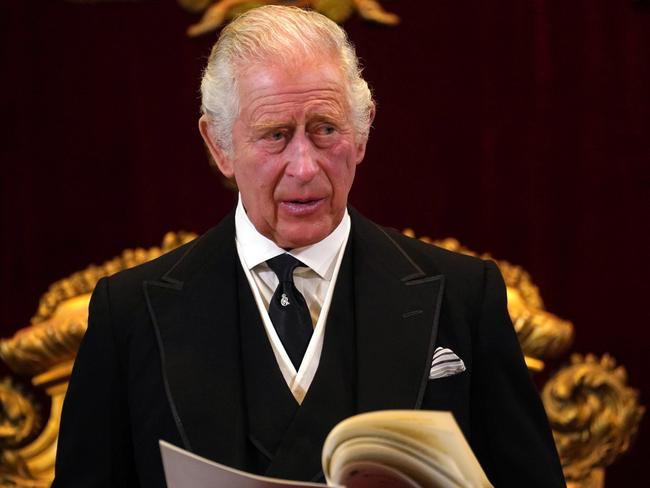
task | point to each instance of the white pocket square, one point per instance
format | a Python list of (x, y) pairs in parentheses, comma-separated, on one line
[(445, 363)]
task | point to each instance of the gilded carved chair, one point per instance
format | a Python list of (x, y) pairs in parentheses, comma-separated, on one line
[(593, 413)]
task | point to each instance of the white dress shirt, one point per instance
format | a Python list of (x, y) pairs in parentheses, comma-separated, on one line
[(316, 283)]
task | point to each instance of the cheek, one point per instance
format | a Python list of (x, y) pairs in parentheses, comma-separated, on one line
[(259, 172), (342, 162), (342, 151)]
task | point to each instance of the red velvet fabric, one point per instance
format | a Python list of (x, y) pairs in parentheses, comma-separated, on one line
[(520, 128)]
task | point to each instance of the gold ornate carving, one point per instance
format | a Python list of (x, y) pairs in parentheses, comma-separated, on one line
[(19, 417), (594, 416), (216, 13), (45, 344), (20, 421), (541, 334), (16, 480)]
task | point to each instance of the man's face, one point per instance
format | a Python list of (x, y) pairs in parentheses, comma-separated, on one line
[(294, 150)]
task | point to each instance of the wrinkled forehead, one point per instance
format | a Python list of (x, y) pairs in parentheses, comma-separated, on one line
[(314, 77)]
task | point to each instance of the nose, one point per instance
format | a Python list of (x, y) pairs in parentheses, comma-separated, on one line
[(302, 160)]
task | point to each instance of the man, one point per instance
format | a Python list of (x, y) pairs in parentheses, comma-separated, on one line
[(249, 344)]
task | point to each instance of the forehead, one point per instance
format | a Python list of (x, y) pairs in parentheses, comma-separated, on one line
[(272, 88)]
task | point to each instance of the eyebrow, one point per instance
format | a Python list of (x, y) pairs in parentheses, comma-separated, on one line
[(267, 126), (327, 119), (335, 119)]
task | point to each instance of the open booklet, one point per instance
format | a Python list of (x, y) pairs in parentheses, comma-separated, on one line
[(385, 449)]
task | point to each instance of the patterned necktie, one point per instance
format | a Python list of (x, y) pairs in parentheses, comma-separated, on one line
[(288, 309)]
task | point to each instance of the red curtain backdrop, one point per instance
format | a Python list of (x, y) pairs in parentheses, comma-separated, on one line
[(522, 128)]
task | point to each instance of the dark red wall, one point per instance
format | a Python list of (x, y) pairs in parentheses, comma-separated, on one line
[(520, 127)]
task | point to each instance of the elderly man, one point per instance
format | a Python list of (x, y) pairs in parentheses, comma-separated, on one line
[(249, 344)]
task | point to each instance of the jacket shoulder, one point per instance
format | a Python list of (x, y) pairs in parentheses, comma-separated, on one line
[(465, 276), (151, 270), (189, 257), (434, 258)]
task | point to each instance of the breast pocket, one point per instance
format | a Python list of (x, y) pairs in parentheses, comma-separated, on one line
[(448, 393)]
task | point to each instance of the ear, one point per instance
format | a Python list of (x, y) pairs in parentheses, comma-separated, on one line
[(221, 158), (361, 145), (360, 150)]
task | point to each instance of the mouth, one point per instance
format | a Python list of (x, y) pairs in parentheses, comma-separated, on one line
[(302, 206)]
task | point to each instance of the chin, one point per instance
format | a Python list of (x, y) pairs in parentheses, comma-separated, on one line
[(303, 236)]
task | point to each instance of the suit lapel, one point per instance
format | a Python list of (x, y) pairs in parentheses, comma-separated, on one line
[(397, 306), (193, 308)]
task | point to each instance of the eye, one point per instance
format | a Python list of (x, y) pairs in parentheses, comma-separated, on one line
[(324, 133), (276, 135), (275, 139), (326, 129)]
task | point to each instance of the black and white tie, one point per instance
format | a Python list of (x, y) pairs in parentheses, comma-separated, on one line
[(288, 309)]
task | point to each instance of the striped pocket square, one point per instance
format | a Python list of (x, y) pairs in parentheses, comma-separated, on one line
[(445, 363)]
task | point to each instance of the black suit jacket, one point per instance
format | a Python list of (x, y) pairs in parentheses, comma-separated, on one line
[(161, 359)]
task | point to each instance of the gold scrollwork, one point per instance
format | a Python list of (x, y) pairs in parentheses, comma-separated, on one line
[(20, 421), (46, 344), (19, 417), (216, 13), (594, 416)]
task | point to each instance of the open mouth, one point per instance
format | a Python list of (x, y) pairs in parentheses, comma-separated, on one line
[(304, 201)]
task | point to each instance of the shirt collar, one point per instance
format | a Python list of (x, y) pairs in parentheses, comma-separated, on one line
[(257, 249)]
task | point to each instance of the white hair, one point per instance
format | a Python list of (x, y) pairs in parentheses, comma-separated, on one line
[(276, 34)]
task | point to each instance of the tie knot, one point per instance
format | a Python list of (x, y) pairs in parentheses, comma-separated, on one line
[(283, 266)]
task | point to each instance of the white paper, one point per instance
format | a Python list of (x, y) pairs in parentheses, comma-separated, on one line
[(186, 470)]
